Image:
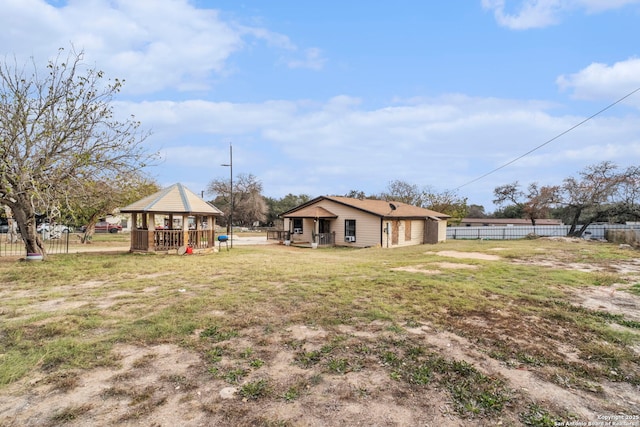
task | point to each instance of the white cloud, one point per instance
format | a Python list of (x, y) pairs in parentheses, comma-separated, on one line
[(601, 81), (153, 44), (313, 59), (339, 145), (531, 14), (527, 14)]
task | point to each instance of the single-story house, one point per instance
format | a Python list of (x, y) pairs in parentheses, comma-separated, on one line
[(505, 222), (345, 221)]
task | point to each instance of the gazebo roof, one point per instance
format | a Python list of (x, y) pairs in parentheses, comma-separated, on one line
[(174, 199)]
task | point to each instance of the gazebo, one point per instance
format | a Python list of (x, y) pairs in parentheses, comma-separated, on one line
[(187, 221)]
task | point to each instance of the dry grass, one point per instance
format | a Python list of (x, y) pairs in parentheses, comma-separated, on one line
[(328, 330)]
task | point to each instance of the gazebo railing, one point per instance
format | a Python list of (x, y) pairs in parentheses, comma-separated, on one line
[(165, 240), (199, 239), (139, 240)]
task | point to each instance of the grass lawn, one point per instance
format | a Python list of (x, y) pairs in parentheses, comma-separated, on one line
[(528, 332)]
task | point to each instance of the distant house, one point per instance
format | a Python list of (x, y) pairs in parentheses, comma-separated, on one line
[(504, 222), (344, 221)]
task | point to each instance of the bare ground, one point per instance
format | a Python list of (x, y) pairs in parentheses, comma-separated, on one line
[(170, 385)]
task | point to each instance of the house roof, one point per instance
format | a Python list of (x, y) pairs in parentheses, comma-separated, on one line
[(313, 212), (174, 199), (381, 208)]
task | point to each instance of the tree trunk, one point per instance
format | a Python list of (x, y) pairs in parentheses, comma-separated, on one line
[(90, 230), (27, 224), (574, 222), (580, 232)]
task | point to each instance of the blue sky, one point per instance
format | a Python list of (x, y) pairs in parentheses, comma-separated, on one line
[(326, 97)]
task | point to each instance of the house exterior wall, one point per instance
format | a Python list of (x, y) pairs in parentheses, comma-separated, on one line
[(367, 225), (408, 235), (442, 231)]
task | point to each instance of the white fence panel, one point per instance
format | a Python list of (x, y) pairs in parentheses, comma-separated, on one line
[(593, 231)]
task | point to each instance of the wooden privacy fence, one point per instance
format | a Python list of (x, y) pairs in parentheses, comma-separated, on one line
[(628, 237)]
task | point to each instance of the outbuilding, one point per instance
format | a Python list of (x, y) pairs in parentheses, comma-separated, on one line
[(172, 219)]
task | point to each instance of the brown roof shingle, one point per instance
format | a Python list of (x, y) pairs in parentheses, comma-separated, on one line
[(174, 199), (382, 208)]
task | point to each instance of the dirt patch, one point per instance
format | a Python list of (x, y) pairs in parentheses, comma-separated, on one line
[(619, 267), (425, 269), (468, 255), (610, 299), (165, 385)]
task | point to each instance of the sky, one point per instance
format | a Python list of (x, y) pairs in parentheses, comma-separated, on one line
[(325, 97)]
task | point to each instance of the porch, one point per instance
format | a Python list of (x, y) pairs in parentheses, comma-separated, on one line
[(322, 239)]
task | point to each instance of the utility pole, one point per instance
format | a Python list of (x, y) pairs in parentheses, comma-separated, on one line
[(230, 166)]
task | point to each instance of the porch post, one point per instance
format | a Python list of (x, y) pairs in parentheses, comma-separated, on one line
[(149, 222), (211, 243), (185, 230), (133, 234)]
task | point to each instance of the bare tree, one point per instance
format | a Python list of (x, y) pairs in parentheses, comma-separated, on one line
[(402, 191), (249, 206), (58, 131), (595, 194), (534, 204)]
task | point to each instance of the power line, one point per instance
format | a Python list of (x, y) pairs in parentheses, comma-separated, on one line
[(552, 139)]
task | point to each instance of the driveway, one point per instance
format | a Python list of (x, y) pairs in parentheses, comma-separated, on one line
[(252, 240)]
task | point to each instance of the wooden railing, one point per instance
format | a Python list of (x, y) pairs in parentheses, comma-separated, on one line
[(280, 235), (139, 240), (165, 240), (201, 239), (326, 238)]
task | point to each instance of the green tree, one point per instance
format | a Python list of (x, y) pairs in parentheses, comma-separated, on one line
[(57, 132), (508, 211), (95, 200), (533, 204), (476, 211), (284, 204), (446, 202)]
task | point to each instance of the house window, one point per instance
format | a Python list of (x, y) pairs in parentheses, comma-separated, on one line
[(297, 225), (350, 230)]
